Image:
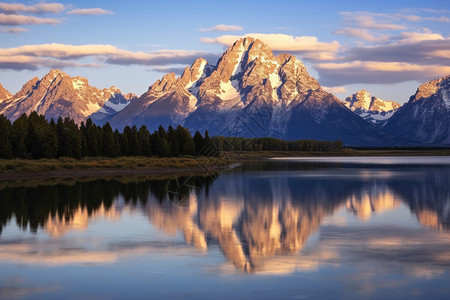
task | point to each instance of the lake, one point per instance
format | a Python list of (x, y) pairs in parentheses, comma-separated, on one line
[(296, 228)]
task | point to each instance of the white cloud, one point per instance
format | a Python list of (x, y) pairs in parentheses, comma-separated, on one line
[(367, 20), (54, 55), (13, 8), (90, 11), (22, 62), (178, 70), (335, 89), (413, 37), (223, 27), (24, 20), (363, 34), (335, 74), (13, 30), (308, 46)]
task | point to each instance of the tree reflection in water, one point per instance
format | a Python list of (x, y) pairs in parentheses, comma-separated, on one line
[(250, 213)]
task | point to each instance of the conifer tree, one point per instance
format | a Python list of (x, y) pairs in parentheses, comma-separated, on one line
[(108, 141), (144, 141), (42, 141), (19, 136), (5, 135), (160, 145), (199, 143), (173, 141), (185, 141)]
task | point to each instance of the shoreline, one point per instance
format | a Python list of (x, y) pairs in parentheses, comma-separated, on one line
[(19, 169)]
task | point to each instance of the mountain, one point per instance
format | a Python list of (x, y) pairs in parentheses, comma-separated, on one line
[(250, 93), (59, 95), (372, 109), (425, 118), (4, 94)]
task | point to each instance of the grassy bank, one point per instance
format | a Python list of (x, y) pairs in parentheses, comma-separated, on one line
[(122, 163), (101, 166)]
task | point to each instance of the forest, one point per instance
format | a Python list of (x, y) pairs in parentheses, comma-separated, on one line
[(34, 137)]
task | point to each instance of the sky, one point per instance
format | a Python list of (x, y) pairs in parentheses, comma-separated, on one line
[(388, 48)]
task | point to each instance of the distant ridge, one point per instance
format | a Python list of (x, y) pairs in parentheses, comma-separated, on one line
[(372, 109), (59, 95)]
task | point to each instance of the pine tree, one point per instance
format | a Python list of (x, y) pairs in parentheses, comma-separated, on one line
[(42, 141), (199, 143), (160, 145), (93, 138), (124, 147), (144, 141), (108, 141), (74, 135), (5, 135), (185, 141), (135, 147), (117, 145), (19, 136), (174, 144)]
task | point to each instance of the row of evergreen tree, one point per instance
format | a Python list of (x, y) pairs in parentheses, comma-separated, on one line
[(273, 144), (35, 137)]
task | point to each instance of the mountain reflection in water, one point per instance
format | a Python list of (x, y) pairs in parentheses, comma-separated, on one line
[(256, 217)]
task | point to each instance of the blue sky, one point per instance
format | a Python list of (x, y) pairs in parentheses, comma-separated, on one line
[(386, 47)]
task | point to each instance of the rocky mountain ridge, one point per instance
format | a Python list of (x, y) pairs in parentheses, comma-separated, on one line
[(425, 118), (372, 109), (59, 95), (250, 93)]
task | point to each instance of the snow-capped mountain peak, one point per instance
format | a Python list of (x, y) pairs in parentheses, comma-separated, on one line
[(59, 95), (250, 92), (374, 110)]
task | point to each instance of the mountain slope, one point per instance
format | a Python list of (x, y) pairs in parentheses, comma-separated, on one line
[(59, 95), (167, 102), (425, 117), (372, 109), (249, 93), (4, 94)]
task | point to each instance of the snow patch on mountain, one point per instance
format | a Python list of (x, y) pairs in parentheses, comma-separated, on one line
[(77, 84), (91, 108), (114, 106), (446, 98), (201, 70), (372, 109), (229, 90)]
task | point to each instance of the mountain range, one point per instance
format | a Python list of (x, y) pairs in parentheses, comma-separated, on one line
[(57, 94), (249, 93)]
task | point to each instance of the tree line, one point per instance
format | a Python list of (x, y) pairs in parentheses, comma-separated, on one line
[(35, 137), (273, 144)]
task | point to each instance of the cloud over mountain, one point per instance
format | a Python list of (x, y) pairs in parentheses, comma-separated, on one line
[(54, 55), (309, 47)]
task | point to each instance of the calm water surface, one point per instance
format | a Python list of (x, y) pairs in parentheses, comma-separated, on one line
[(323, 228)]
